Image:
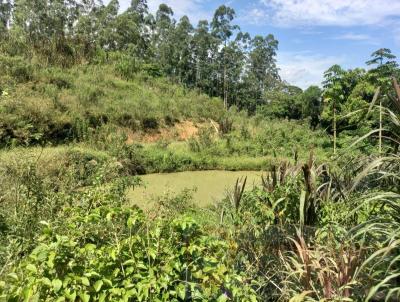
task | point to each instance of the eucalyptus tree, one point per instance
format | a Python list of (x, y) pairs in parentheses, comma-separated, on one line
[(107, 32), (223, 29), (263, 61), (262, 70), (5, 16), (140, 8), (183, 52), (129, 33), (163, 39), (136, 24), (236, 60), (88, 24), (204, 45), (42, 20), (48, 27)]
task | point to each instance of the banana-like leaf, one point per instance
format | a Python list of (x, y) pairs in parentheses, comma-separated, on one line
[(302, 207), (380, 285), (397, 89), (375, 98)]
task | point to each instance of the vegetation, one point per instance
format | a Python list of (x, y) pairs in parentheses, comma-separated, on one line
[(91, 98)]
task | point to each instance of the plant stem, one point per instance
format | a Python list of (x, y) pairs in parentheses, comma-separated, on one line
[(334, 129), (380, 126)]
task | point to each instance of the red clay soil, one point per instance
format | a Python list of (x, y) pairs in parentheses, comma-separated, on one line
[(181, 131)]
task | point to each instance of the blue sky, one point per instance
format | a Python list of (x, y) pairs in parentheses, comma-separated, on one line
[(312, 34)]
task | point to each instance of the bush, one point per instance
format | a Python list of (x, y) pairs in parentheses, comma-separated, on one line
[(17, 67), (99, 250), (91, 95), (225, 125), (61, 81), (127, 120), (150, 123), (127, 67)]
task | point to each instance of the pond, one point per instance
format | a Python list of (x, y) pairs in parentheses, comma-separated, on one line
[(209, 186)]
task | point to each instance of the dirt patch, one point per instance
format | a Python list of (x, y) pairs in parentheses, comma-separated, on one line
[(186, 130), (181, 131)]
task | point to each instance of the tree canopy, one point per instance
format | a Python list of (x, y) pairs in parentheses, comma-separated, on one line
[(215, 57)]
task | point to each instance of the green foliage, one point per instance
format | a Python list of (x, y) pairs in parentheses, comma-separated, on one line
[(74, 105), (276, 138), (291, 102), (94, 248), (210, 57), (17, 68), (90, 76), (127, 67)]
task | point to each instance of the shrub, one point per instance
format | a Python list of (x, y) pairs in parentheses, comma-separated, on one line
[(127, 120), (91, 95), (100, 250), (127, 67), (61, 81), (150, 123), (17, 68), (225, 125), (152, 70)]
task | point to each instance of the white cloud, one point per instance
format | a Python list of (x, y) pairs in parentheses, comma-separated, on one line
[(330, 12), (303, 68), (353, 37), (396, 36), (362, 38), (255, 15)]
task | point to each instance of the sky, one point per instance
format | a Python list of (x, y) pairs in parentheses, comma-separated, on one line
[(313, 34)]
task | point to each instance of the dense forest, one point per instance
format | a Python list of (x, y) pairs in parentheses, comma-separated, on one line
[(93, 98)]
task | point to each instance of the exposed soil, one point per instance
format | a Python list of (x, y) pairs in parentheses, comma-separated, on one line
[(181, 131)]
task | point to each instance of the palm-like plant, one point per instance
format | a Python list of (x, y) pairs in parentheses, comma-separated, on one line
[(383, 175), (321, 273), (366, 266)]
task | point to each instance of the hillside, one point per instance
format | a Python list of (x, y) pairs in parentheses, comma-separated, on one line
[(94, 108), (145, 159), (51, 105)]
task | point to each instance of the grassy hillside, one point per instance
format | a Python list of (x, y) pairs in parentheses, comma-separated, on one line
[(147, 124), (50, 105)]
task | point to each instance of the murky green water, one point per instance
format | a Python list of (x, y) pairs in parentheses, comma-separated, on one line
[(210, 186)]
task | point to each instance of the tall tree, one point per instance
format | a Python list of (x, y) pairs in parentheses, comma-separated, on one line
[(311, 100), (381, 55), (141, 8), (333, 95), (382, 74), (163, 42), (183, 50), (262, 63), (90, 25), (203, 52), (5, 15), (139, 12), (223, 29), (107, 30), (385, 66), (235, 62), (48, 27)]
